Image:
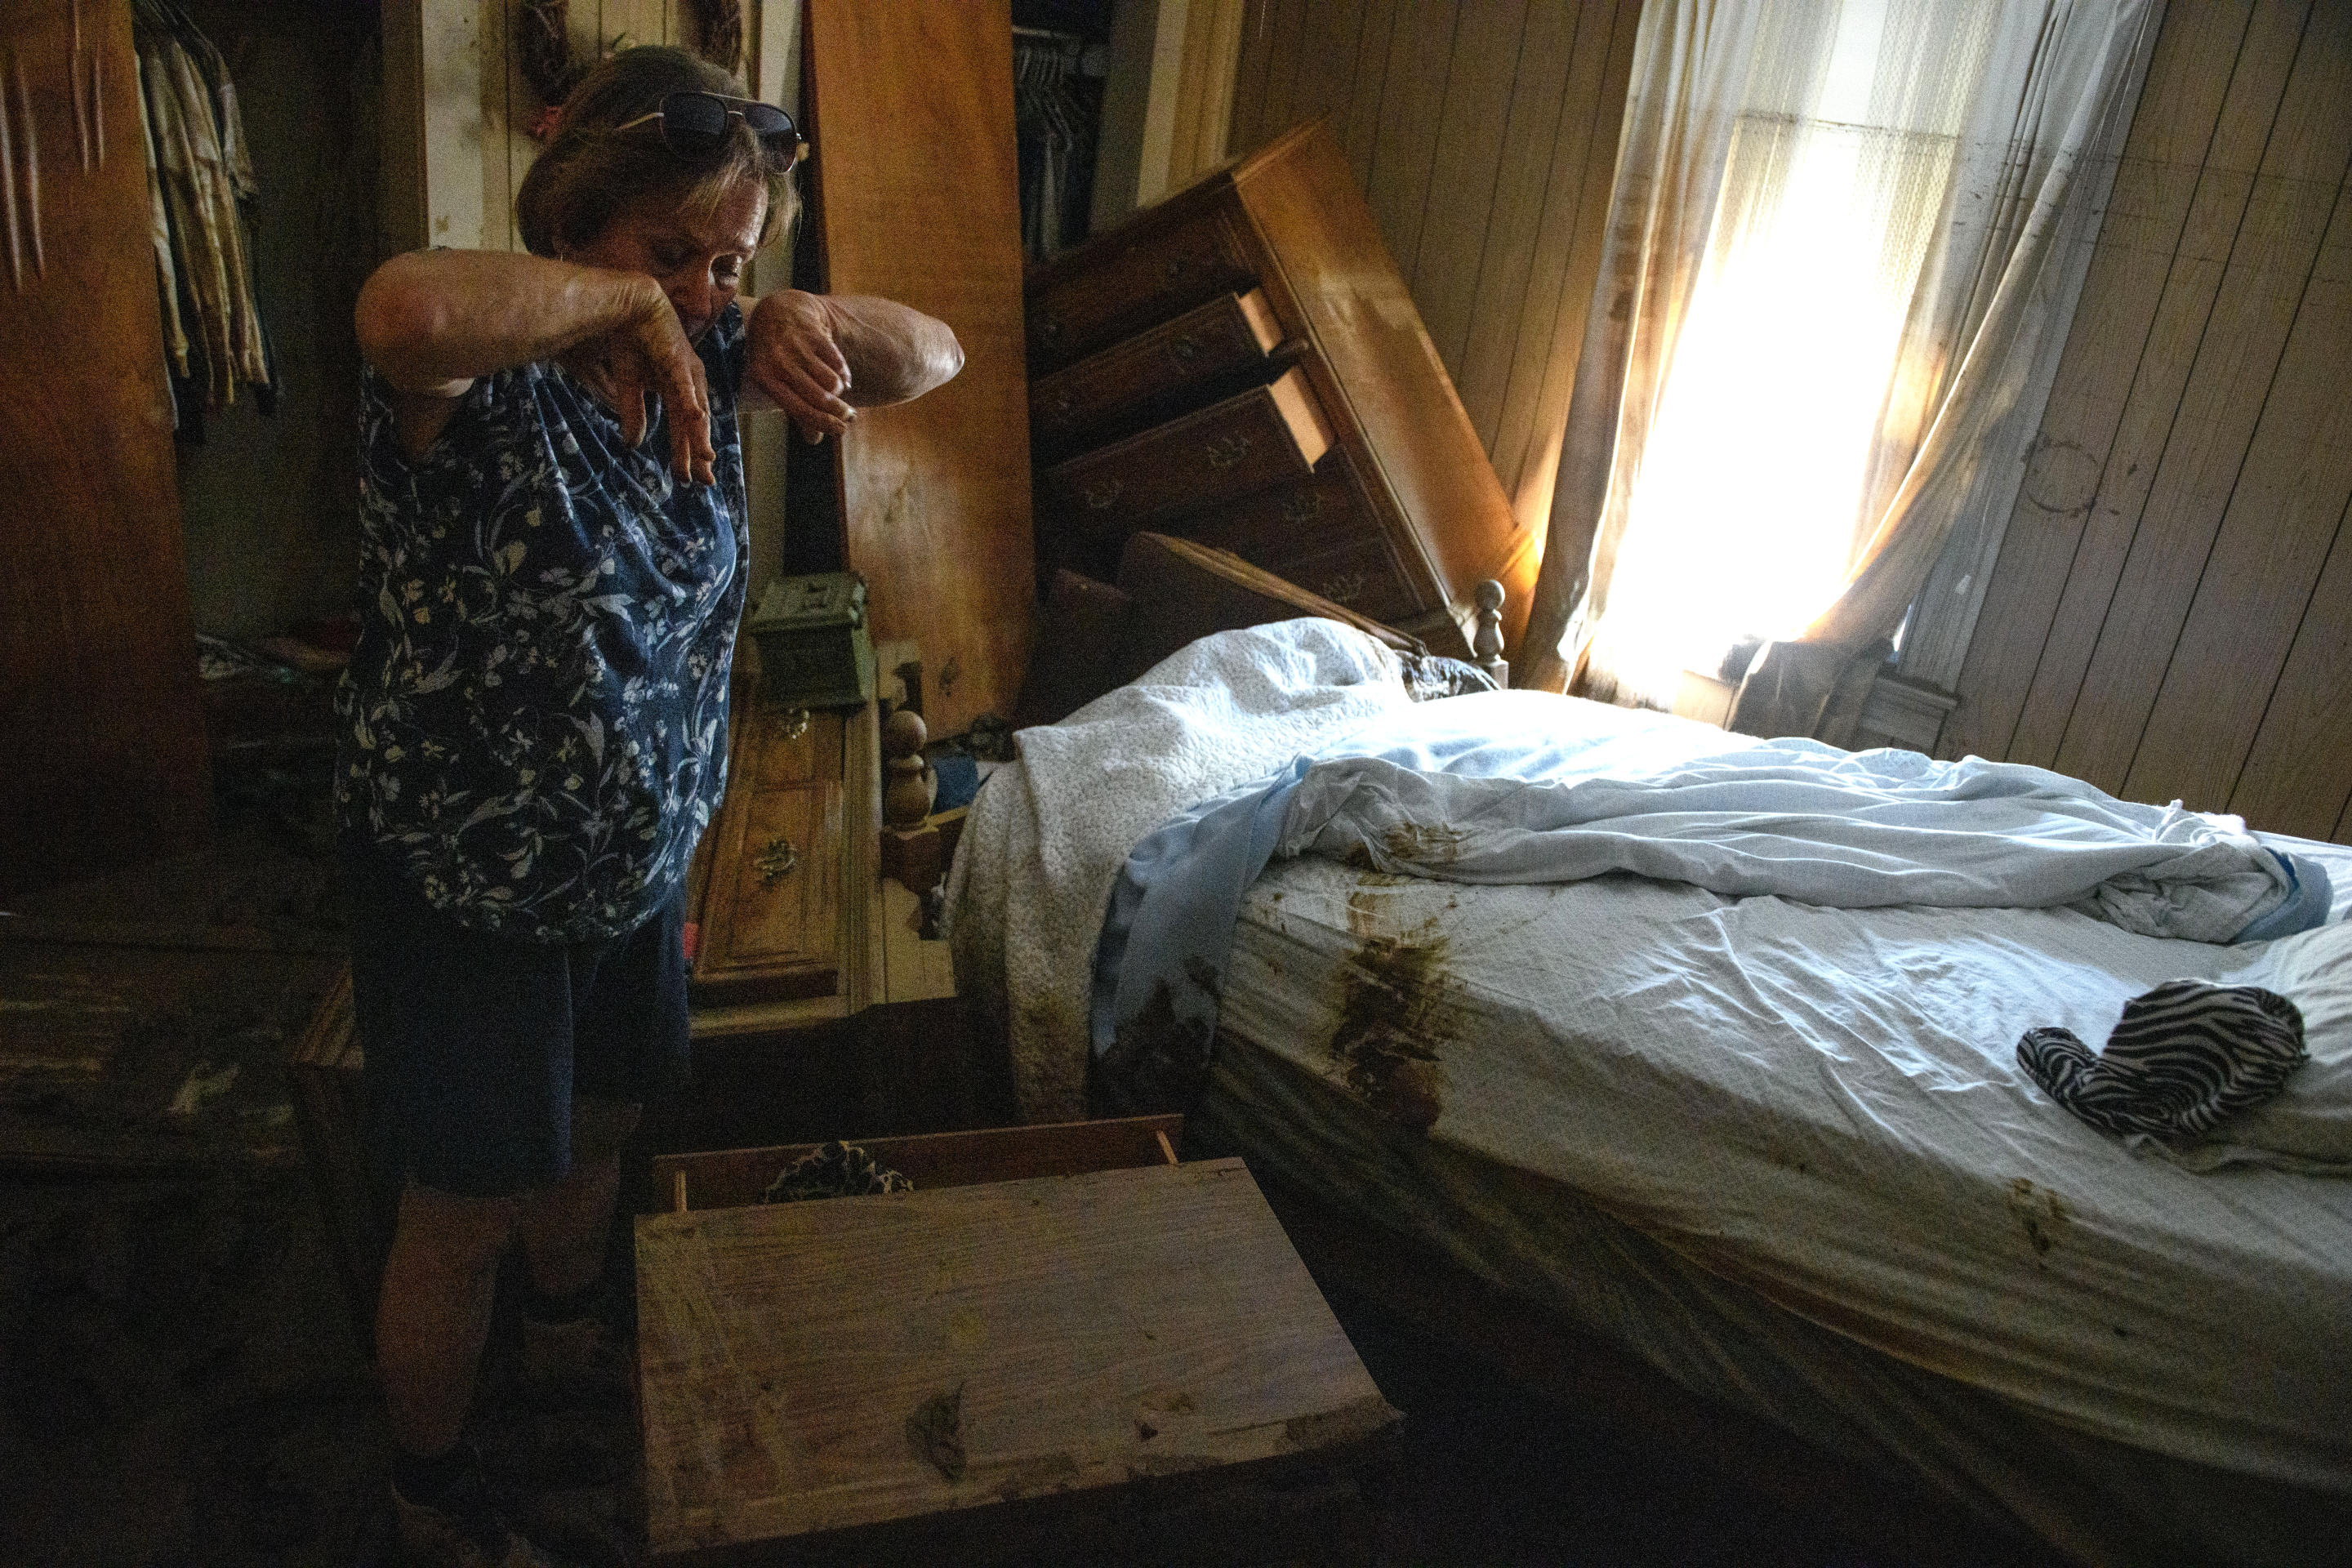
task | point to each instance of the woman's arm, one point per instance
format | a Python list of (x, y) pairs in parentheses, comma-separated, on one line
[(433, 321), (823, 356)]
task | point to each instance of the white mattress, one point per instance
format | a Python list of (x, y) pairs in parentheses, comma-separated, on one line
[(1822, 1106)]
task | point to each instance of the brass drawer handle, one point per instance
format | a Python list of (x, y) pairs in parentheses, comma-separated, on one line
[(1304, 507), (792, 724), (1099, 495), (1184, 349), (1344, 588), (776, 861), (1228, 449)]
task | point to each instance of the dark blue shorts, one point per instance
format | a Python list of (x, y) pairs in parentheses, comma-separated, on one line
[(474, 1044)]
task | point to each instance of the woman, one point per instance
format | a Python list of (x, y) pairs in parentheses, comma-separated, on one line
[(533, 725)]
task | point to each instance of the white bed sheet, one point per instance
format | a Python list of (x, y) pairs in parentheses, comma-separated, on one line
[(1824, 1106)]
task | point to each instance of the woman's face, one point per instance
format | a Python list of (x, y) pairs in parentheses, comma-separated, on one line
[(698, 263)]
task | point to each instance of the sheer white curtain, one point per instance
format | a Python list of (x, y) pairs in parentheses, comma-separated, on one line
[(1846, 238)]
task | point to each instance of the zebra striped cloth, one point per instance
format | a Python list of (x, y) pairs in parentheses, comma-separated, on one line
[(2184, 1058)]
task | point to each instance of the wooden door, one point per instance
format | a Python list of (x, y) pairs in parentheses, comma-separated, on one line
[(102, 756), (910, 108)]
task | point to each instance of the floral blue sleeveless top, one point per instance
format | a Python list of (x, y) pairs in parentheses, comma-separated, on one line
[(533, 724)]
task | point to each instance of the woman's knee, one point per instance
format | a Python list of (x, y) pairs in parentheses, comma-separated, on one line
[(601, 1128)]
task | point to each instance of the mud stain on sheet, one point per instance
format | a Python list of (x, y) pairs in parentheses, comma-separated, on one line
[(1427, 844), (2040, 1212), (1396, 1008)]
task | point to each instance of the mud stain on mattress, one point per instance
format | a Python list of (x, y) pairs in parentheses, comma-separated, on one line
[(1396, 1008), (1160, 1059), (2040, 1212), (1429, 844)]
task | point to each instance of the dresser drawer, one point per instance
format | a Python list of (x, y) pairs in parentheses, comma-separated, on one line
[(1133, 283), (770, 926), (1231, 336), (785, 745), (1319, 534), (1269, 436)]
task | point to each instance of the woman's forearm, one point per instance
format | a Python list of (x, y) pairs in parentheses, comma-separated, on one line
[(895, 352), (432, 321)]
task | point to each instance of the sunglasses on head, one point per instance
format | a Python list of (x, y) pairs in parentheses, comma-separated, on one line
[(694, 124)]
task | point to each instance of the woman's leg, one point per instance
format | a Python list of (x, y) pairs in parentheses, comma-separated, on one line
[(565, 1227), (435, 1310)]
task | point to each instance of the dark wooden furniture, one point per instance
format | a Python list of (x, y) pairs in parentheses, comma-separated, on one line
[(1101, 1367), (100, 723), (1243, 364)]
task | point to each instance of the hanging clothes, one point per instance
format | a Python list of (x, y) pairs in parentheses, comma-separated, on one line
[(1052, 130), (202, 191), (159, 229)]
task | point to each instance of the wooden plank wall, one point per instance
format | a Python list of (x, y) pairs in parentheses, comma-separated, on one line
[(2170, 615), (509, 103), (1483, 133)]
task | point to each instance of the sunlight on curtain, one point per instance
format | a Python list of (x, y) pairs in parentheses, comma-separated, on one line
[(1791, 382)]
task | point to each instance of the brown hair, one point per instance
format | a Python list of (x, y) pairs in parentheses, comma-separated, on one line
[(588, 174)]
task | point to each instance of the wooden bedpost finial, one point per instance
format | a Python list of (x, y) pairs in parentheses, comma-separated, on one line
[(909, 785), (1487, 644)]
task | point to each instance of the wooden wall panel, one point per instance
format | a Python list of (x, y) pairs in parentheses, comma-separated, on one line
[(2170, 613), (1412, 107), (2131, 263), (1484, 134), (2282, 520), (2234, 367), (1465, 164), (2161, 376)]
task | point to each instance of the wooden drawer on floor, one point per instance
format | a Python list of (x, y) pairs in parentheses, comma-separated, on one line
[(726, 1178), (1233, 335), (1270, 436)]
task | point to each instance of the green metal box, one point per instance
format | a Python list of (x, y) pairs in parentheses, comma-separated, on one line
[(815, 649)]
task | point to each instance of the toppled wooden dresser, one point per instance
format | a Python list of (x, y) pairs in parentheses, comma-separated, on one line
[(1242, 364)]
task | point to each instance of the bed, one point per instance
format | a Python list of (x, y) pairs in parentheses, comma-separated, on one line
[(1780, 1153)]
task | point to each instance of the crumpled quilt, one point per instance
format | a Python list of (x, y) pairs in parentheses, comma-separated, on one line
[(1524, 787), (1046, 839)]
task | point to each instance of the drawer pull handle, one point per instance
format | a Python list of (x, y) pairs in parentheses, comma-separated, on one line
[(1301, 509), (776, 861), (1049, 327), (1184, 349), (1173, 267), (1228, 449), (792, 724), (1344, 588), (1099, 495)]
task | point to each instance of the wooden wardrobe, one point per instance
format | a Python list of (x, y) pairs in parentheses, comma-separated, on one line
[(102, 754)]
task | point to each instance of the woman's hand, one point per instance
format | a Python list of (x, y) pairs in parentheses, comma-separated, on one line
[(432, 322), (648, 354), (795, 357)]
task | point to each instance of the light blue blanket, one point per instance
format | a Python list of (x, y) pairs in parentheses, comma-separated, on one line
[(1526, 787)]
